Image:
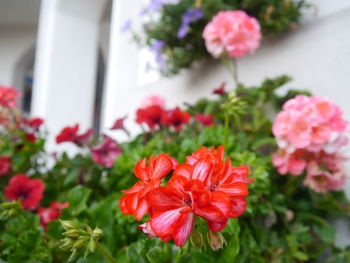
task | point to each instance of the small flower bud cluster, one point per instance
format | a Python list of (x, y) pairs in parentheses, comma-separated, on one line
[(79, 241)]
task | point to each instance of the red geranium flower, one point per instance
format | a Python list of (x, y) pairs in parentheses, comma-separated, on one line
[(31, 137), (151, 115), (205, 119), (176, 118), (35, 123), (48, 214), (175, 206), (5, 165), (220, 90), (136, 200), (28, 191), (106, 153), (8, 96), (70, 134)]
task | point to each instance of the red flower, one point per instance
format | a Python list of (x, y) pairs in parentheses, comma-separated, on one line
[(151, 115), (176, 118), (83, 139), (205, 119), (106, 153), (5, 165), (28, 191), (220, 90), (35, 123), (175, 206), (8, 96), (31, 137), (119, 124), (70, 134), (136, 200), (48, 214)]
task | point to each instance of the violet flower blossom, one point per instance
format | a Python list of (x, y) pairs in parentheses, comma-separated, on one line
[(190, 16)]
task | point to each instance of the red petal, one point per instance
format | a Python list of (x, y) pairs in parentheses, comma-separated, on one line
[(141, 171), (238, 206), (141, 209), (163, 223), (234, 189), (136, 188), (211, 213), (184, 170), (162, 166), (183, 229), (216, 227), (201, 170), (164, 198)]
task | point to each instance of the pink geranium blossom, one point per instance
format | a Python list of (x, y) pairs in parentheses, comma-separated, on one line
[(233, 33), (106, 153), (8, 96), (310, 132), (153, 100)]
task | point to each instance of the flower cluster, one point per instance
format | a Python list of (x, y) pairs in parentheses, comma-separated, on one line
[(205, 186), (232, 33), (8, 97), (70, 134), (310, 134), (154, 114)]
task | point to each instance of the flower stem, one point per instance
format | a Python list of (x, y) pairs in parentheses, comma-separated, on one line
[(105, 253), (231, 67), (227, 120)]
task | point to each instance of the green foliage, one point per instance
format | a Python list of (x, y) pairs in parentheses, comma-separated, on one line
[(275, 17), (284, 222)]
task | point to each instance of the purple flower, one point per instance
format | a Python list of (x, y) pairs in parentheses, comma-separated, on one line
[(190, 15), (127, 26), (156, 47), (156, 5)]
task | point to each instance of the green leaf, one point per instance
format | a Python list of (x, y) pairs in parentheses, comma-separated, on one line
[(77, 198)]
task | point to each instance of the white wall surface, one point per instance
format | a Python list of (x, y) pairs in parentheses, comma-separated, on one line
[(15, 42)]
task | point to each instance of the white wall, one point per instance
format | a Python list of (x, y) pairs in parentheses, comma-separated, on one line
[(15, 42)]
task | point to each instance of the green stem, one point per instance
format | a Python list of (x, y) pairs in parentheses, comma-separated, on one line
[(235, 70), (227, 121), (105, 253)]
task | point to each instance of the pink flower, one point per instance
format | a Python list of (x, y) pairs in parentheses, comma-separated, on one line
[(293, 163), (233, 33), (8, 96), (48, 214), (308, 122), (153, 100), (106, 153), (205, 119), (5, 165), (321, 180)]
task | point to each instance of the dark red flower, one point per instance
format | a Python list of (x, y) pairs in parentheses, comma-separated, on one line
[(48, 214), (83, 139), (220, 90), (8, 96), (151, 115), (136, 200), (176, 118), (31, 137), (106, 153), (119, 124), (70, 134), (35, 123), (28, 191), (205, 119), (5, 165)]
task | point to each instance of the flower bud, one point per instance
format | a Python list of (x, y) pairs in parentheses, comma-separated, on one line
[(196, 239), (97, 233), (216, 240), (72, 233), (68, 224)]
